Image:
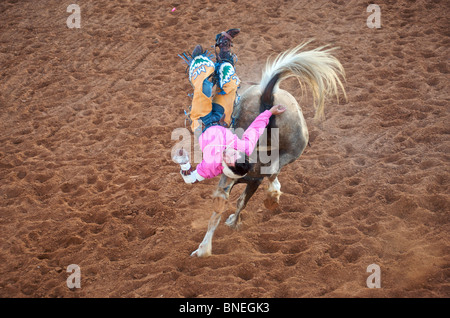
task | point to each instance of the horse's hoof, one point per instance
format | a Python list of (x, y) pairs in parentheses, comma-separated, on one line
[(201, 252), (232, 222), (273, 196), (271, 203), (194, 253)]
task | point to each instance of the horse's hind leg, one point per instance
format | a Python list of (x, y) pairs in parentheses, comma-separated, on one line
[(234, 219), (274, 188), (273, 193)]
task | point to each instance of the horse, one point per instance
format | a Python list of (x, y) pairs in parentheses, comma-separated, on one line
[(286, 134)]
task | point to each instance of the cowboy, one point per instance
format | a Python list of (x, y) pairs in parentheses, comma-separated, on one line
[(223, 151)]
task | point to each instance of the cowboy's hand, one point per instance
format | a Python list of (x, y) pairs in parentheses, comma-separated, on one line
[(187, 170), (189, 178), (277, 109)]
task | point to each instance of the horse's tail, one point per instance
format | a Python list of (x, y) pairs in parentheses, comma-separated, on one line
[(317, 68)]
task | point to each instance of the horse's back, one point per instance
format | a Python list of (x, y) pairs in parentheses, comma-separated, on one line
[(248, 107), (293, 132)]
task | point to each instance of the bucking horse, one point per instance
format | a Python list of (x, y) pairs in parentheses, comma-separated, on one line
[(286, 134)]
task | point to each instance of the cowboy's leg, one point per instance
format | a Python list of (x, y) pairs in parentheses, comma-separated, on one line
[(227, 86), (200, 69)]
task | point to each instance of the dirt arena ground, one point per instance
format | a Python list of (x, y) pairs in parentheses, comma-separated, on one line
[(86, 175)]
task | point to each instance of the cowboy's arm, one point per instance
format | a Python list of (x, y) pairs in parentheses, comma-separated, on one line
[(253, 132), (256, 129)]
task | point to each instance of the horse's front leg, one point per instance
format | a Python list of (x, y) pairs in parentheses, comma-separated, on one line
[(220, 198), (205, 247)]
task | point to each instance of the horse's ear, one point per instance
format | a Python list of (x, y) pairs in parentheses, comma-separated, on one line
[(233, 32)]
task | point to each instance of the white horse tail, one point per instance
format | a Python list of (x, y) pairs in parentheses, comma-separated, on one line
[(317, 68)]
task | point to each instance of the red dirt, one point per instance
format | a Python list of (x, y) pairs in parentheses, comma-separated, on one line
[(86, 176)]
